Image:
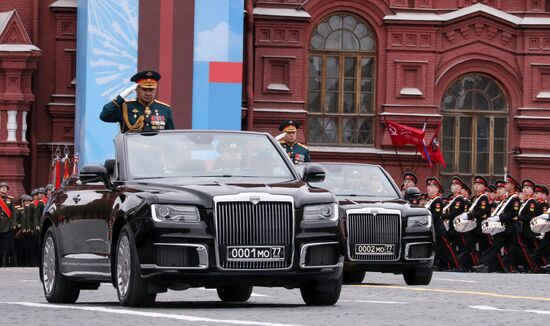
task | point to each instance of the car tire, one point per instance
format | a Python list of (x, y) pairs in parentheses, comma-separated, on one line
[(131, 288), (326, 293), (235, 293), (354, 277), (418, 276), (57, 288)]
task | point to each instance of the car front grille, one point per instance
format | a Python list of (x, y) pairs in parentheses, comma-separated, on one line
[(174, 256), (244, 224), (420, 251), (322, 255), (374, 229)]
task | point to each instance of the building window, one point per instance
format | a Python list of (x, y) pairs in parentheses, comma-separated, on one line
[(341, 82), (475, 124)]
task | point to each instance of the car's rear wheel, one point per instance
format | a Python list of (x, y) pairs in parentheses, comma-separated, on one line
[(131, 288), (354, 277), (325, 293), (418, 276), (235, 293), (57, 288)]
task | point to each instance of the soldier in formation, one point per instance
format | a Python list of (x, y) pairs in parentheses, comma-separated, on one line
[(493, 229), (20, 226)]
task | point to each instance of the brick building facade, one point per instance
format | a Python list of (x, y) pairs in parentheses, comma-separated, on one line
[(479, 68)]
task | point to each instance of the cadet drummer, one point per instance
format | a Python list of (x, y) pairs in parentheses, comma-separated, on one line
[(143, 113)]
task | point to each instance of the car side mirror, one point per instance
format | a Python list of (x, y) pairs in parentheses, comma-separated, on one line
[(313, 173), (412, 193), (94, 173)]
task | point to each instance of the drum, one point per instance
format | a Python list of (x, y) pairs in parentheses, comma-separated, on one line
[(464, 226), (540, 225), (492, 227)]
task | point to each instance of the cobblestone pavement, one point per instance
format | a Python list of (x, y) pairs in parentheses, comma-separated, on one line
[(382, 299)]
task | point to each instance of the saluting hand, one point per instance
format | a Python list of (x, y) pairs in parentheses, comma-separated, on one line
[(128, 90)]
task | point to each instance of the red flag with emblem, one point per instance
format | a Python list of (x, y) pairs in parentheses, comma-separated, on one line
[(434, 149), (402, 135)]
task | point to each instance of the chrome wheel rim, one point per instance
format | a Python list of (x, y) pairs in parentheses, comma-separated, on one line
[(123, 265), (48, 264)]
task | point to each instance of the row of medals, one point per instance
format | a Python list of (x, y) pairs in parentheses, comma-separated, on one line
[(157, 124)]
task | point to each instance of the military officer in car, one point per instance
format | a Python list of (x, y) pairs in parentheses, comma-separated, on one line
[(297, 152), (144, 113)]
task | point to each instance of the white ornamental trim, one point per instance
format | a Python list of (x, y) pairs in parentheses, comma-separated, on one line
[(24, 127), (12, 126)]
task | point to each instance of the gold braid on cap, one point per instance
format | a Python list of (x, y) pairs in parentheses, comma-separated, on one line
[(131, 127)]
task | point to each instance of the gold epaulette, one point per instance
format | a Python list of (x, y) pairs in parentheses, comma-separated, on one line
[(132, 100), (17, 206), (10, 197), (168, 105), (304, 146)]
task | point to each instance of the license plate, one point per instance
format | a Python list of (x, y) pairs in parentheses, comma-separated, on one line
[(263, 253), (374, 249)]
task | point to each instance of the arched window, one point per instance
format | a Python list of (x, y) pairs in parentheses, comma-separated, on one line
[(475, 124), (341, 82)]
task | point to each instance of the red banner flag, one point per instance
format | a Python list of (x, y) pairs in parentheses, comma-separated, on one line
[(403, 135), (434, 149)]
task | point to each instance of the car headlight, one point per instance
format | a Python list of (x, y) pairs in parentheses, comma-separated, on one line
[(421, 223), (320, 213), (175, 213)]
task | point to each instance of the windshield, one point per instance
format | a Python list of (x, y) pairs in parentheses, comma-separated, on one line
[(204, 155), (356, 180)]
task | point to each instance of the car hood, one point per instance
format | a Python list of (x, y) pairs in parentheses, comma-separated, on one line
[(203, 194), (401, 205)]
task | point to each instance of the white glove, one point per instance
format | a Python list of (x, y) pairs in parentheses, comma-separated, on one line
[(494, 218), (128, 90), (463, 216)]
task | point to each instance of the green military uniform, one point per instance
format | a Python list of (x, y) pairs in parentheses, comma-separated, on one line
[(7, 213), (297, 152), (135, 115)]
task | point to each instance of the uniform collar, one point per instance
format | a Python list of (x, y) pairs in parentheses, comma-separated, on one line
[(434, 196), (146, 104)]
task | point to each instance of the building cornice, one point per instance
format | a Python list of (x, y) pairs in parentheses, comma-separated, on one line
[(477, 8)]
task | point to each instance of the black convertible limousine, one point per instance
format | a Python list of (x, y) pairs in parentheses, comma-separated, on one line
[(384, 233), (179, 209)]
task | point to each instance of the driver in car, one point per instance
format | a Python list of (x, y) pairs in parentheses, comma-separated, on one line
[(231, 157)]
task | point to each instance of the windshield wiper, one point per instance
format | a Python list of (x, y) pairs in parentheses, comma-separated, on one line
[(355, 195), (144, 178), (229, 176)]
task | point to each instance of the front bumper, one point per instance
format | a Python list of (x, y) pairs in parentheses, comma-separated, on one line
[(186, 256), (415, 252)]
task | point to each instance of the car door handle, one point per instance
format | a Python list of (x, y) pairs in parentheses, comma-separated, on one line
[(76, 198)]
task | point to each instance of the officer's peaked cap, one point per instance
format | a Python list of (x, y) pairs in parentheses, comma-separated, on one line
[(146, 79), (289, 125)]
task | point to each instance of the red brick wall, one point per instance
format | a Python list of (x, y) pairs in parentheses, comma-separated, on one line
[(438, 54), (52, 77)]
